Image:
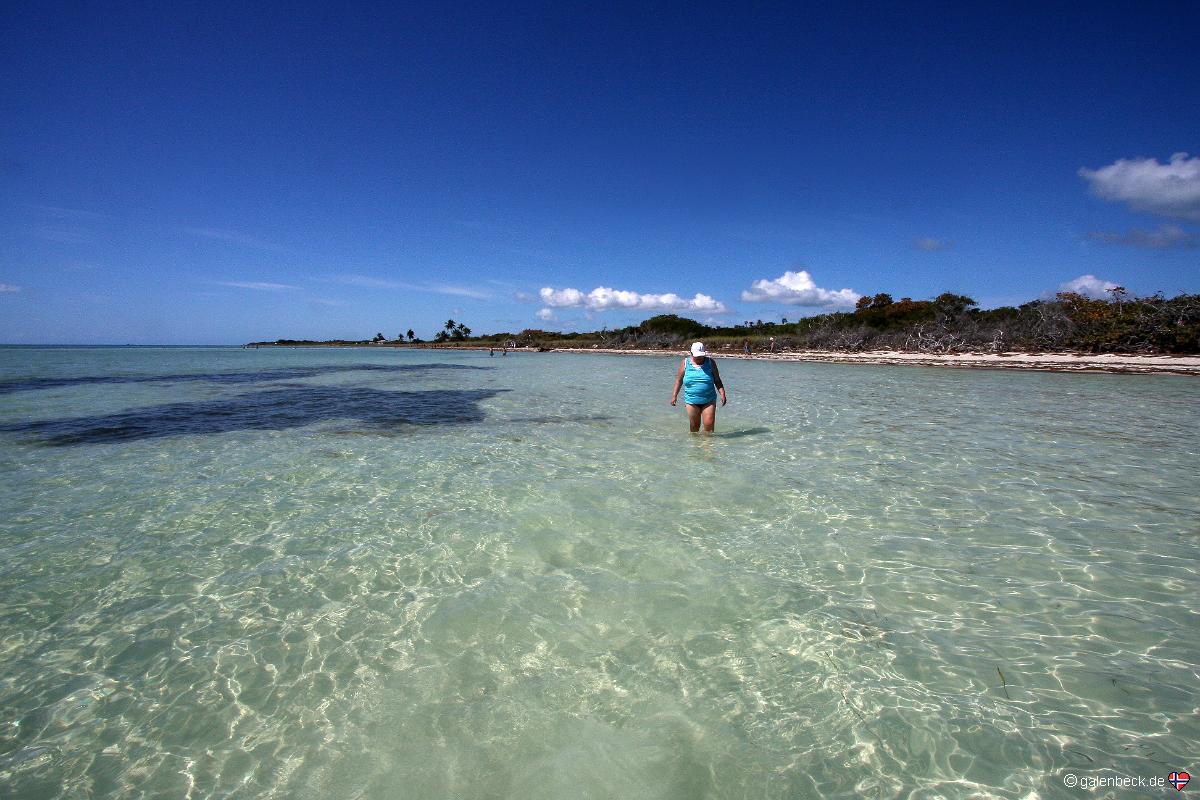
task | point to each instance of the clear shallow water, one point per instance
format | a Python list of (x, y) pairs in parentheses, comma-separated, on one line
[(354, 573)]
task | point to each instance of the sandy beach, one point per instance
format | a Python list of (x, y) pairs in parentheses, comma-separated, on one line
[(1053, 362), (1047, 362)]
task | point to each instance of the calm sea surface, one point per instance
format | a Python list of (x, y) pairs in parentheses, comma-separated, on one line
[(418, 574)]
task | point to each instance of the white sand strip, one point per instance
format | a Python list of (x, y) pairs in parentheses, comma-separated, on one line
[(1057, 362)]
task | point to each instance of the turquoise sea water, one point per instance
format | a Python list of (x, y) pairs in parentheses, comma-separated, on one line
[(420, 574)]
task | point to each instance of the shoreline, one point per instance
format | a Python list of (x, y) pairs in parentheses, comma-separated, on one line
[(1112, 363), (1043, 362)]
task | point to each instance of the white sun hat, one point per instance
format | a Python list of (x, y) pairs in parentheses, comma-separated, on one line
[(698, 349)]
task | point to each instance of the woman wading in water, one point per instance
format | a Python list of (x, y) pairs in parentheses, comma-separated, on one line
[(701, 382)]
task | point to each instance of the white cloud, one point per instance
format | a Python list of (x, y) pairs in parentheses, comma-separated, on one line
[(267, 287), (602, 298), (1088, 286), (561, 298), (1165, 237), (8, 287), (798, 289), (1170, 190), (932, 245), (546, 314)]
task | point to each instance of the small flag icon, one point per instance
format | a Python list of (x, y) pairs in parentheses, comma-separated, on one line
[(1178, 780)]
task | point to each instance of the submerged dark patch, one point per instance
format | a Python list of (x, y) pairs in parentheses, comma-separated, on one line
[(553, 420), (275, 409), (741, 433), (256, 376)]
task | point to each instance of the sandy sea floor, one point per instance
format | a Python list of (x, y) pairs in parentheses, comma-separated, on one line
[(370, 573)]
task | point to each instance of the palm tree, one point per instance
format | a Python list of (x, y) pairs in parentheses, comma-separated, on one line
[(411, 336), (449, 325)]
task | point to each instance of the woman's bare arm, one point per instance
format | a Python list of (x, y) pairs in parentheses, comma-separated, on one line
[(717, 382), (678, 382)]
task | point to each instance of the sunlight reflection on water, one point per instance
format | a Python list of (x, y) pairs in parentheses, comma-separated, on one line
[(429, 581)]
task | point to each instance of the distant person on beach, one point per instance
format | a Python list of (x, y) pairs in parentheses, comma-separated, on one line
[(746, 346), (772, 344), (701, 383)]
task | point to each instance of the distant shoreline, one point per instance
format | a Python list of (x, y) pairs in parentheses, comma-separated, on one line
[(1044, 362), (1119, 363)]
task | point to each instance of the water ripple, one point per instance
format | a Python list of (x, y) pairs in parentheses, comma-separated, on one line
[(948, 585)]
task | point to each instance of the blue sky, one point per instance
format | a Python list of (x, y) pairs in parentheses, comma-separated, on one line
[(212, 174)]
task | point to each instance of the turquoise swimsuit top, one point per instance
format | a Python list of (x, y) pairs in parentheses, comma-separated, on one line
[(699, 388)]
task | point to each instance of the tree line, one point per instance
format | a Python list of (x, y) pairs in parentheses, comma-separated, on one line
[(949, 323)]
